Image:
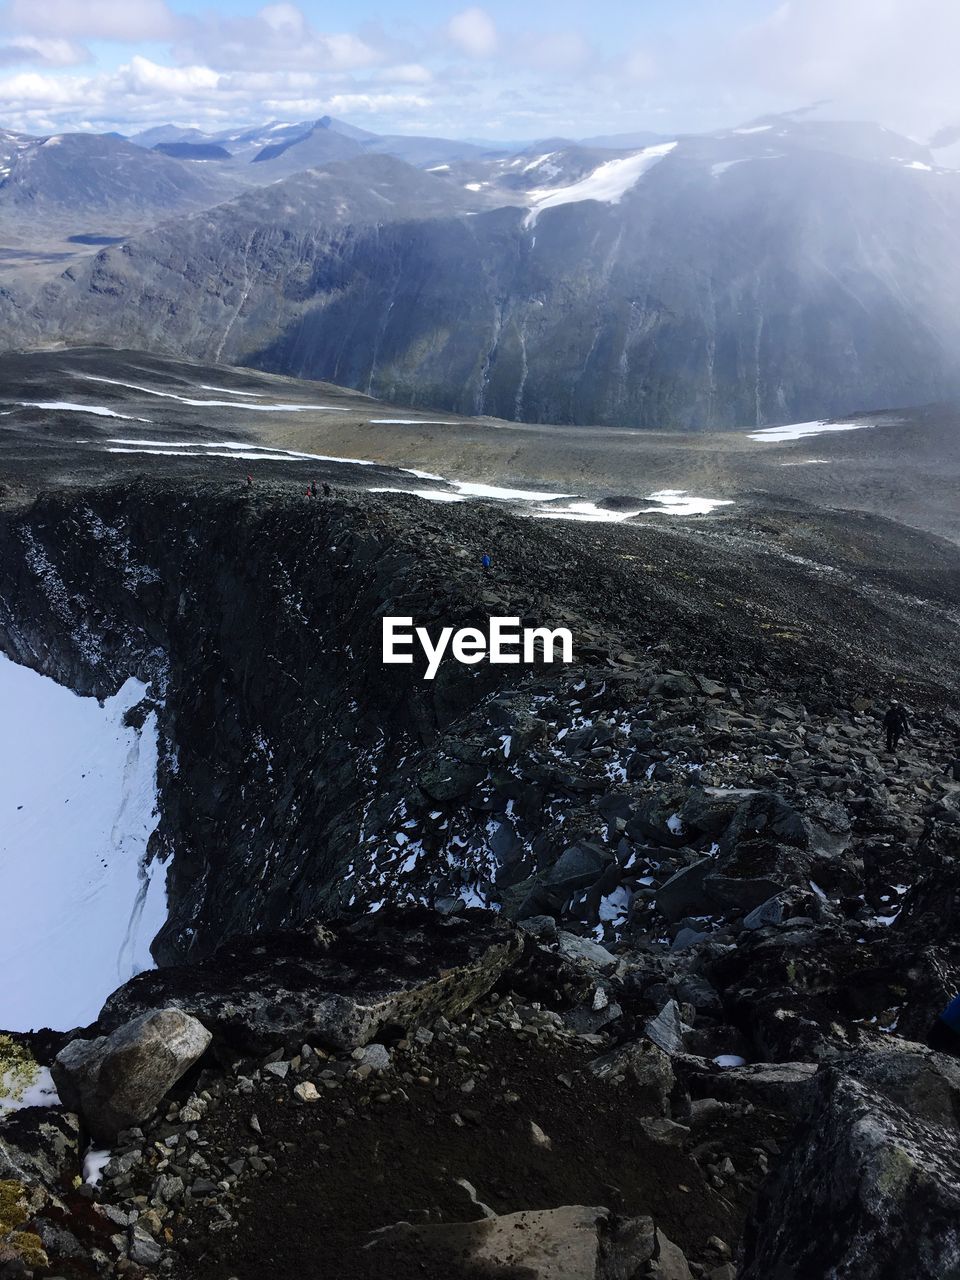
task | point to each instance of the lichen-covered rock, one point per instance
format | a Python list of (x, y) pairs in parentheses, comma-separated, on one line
[(876, 1169), (335, 987), (116, 1081), (38, 1144)]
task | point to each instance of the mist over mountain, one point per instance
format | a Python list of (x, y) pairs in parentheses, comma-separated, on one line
[(786, 269)]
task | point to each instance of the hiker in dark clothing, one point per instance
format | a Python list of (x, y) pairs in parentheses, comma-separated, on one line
[(945, 1032), (313, 488), (485, 562), (896, 724), (327, 491), (249, 482)]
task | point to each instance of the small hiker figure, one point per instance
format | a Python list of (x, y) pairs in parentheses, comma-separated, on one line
[(896, 724), (485, 562), (313, 488), (945, 1032), (249, 482), (327, 491)]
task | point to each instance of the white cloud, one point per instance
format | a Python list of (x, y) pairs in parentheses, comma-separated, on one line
[(50, 51), (277, 36), (892, 60), (94, 19), (555, 50), (285, 18), (473, 32), (141, 76)]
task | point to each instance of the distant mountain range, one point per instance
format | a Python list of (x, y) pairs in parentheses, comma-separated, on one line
[(782, 270)]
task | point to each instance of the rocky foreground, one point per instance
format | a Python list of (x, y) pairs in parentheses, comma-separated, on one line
[(619, 969)]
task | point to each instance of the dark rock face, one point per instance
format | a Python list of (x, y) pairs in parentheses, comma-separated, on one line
[(875, 1174), (337, 986)]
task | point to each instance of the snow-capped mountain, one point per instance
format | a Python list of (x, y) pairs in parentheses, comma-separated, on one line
[(779, 271)]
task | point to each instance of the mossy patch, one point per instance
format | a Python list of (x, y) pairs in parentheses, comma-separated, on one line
[(896, 1173), (25, 1245), (30, 1248), (13, 1206)]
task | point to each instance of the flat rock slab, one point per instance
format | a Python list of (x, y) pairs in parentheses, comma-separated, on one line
[(574, 1242), (335, 986)]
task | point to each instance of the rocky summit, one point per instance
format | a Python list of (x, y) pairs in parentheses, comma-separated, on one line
[(605, 969)]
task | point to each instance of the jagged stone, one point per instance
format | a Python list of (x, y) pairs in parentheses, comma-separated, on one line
[(38, 1144), (117, 1080), (667, 1029), (647, 1065), (823, 827)]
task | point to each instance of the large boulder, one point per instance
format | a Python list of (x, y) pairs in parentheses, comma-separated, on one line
[(876, 1169), (709, 810), (578, 867), (336, 986), (684, 893), (574, 1242), (116, 1081), (822, 827)]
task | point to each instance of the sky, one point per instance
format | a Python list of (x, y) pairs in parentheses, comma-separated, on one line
[(502, 70)]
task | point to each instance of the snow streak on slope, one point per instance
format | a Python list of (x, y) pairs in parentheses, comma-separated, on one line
[(607, 183), (78, 803), (271, 407), (800, 430)]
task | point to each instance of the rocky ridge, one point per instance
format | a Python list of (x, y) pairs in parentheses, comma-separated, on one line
[(719, 933)]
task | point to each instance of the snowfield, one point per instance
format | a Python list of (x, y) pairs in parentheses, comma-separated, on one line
[(608, 183), (78, 803)]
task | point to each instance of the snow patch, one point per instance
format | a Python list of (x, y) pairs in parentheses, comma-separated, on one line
[(40, 1091), (79, 905), (94, 1163), (800, 430), (70, 407), (608, 183)]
